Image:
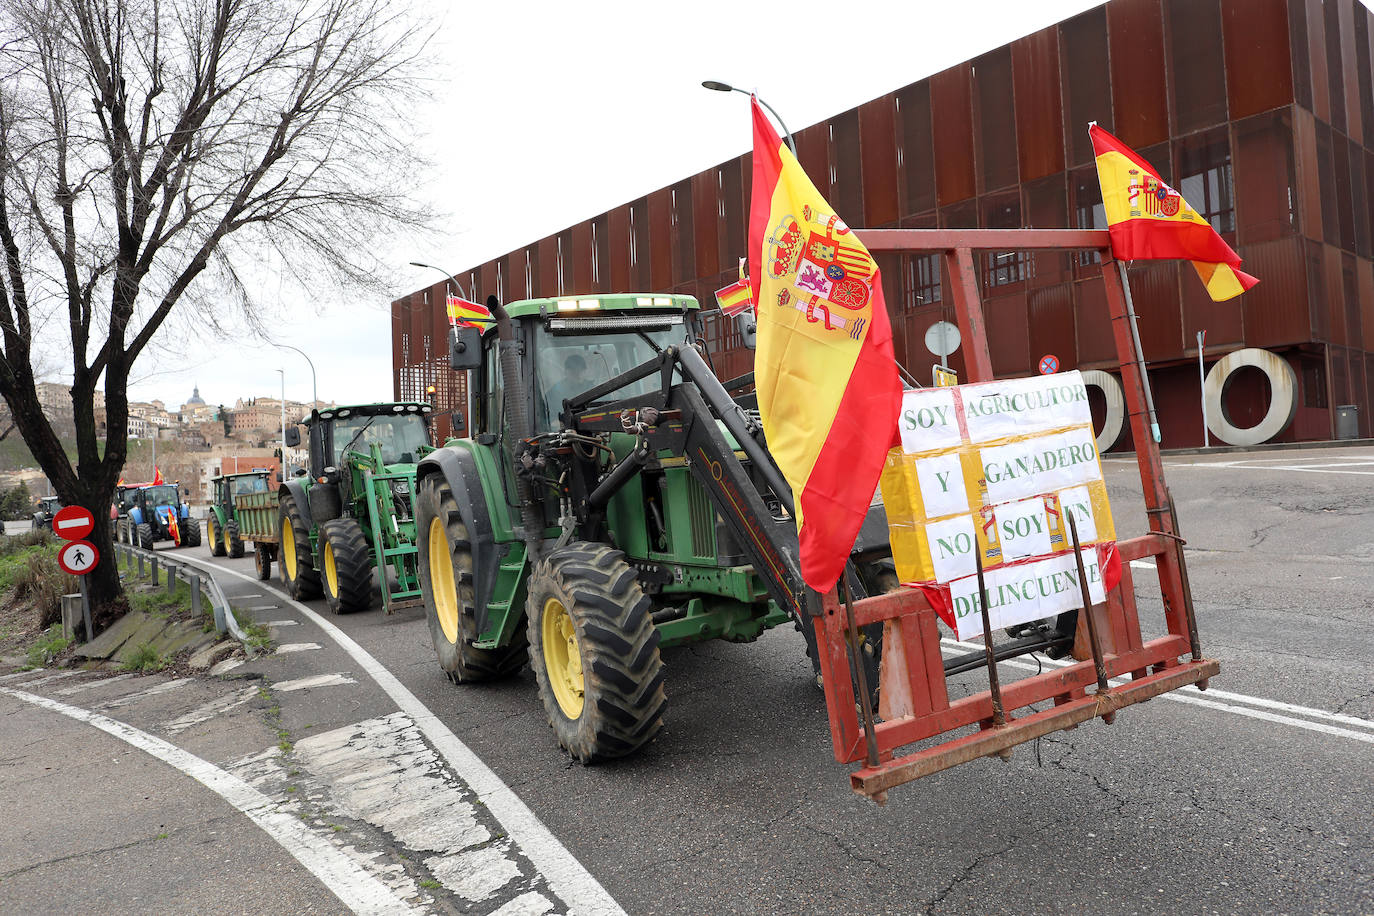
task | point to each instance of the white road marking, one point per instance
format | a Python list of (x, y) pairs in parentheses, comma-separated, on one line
[(263, 607), (531, 904), (48, 679), (156, 690), (207, 711), (1196, 697), (97, 682), (280, 623), (359, 891), (317, 680), (13, 675), (1231, 466), (289, 647), (566, 876), (224, 667)]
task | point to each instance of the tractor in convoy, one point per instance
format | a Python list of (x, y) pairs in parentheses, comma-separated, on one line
[(223, 526), (149, 513), (46, 511), (614, 500), (350, 511)]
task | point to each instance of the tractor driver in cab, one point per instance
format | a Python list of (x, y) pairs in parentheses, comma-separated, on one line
[(574, 381)]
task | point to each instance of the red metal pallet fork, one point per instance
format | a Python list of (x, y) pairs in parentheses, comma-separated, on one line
[(1117, 649)]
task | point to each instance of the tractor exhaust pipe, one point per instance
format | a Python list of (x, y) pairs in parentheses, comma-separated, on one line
[(518, 426)]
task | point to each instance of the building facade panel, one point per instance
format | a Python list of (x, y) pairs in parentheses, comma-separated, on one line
[(1258, 66), (1140, 95), (1035, 80)]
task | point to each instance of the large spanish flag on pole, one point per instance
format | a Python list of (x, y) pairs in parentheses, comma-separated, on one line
[(1147, 219), (824, 370)]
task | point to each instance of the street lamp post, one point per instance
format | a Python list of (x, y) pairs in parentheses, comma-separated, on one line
[(314, 387), (718, 86), (429, 389), (282, 373)]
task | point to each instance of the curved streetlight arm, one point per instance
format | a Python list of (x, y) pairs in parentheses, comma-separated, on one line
[(314, 387), (726, 87), (448, 277)]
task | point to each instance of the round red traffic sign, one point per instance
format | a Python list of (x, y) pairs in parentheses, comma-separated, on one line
[(78, 558), (72, 523), (1049, 364)]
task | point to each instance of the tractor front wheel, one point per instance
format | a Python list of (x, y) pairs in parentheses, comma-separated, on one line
[(232, 545), (448, 588), (594, 650), (346, 562), (145, 536), (190, 533), (215, 535), (298, 573)]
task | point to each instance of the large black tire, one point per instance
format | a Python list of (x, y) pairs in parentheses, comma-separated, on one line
[(215, 535), (297, 562), (190, 532), (445, 562), (262, 560), (345, 566), (594, 651), (144, 532), (232, 544)]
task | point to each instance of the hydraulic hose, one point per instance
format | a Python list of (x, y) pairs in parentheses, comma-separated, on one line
[(517, 427)]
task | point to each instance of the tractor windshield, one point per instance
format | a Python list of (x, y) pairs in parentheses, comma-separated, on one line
[(400, 436), (570, 364), (246, 485), (161, 496)]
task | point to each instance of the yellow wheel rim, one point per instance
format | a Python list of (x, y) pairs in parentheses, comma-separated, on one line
[(210, 529), (562, 660), (288, 550), (331, 572), (443, 588), (227, 548)]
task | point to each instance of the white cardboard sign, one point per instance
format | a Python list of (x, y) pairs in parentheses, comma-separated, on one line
[(1026, 468), (928, 420), (953, 545), (942, 485), (1023, 528), (1024, 592), (1025, 406)]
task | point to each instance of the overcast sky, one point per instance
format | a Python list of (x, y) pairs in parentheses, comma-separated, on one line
[(547, 113)]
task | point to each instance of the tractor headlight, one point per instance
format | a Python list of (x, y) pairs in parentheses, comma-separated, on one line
[(400, 487)]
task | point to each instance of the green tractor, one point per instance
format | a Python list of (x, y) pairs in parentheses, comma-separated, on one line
[(222, 525), (615, 500), (350, 511)]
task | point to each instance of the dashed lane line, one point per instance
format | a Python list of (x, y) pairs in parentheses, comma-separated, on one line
[(287, 648), (155, 690), (1195, 697), (98, 682), (566, 876), (355, 888), (315, 680), (207, 711)]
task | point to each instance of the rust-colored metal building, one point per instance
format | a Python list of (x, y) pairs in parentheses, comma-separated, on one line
[(1260, 112)]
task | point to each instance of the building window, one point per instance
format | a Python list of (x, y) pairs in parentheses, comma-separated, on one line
[(1088, 211), (1000, 268), (1204, 169), (922, 282)]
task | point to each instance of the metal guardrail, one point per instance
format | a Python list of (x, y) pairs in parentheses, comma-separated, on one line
[(200, 581)]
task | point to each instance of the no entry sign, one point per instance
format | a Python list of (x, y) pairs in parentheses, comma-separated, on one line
[(72, 523), (78, 558)]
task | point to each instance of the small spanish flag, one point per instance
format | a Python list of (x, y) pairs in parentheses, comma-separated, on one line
[(1148, 220), (738, 297), (825, 375), (157, 476), (465, 314)]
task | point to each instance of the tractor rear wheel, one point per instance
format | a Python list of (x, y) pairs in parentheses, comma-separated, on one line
[(232, 545), (145, 536), (190, 532), (262, 559), (594, 650), (448, 588), (298, 573), (215, 536), (346, 565)]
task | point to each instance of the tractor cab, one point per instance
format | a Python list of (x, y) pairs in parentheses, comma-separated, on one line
[(221, 523), (46, 511), (155, 512)]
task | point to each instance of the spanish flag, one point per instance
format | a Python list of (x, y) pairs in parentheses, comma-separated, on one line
[(1147, 219), (738, 297), (157, 476), (465, 314), (824, 371)]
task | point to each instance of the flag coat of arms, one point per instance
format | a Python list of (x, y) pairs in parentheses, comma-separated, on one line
[(824, 370), (1147, 220), (465, 314)]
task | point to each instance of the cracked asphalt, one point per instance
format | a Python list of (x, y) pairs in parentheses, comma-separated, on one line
[(739, 807)]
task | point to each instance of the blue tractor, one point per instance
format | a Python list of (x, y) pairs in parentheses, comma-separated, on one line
[(156, 512)]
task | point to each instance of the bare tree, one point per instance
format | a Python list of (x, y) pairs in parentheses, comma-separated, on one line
[(152, 152)]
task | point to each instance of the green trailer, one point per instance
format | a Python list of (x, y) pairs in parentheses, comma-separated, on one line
[(244, 510)]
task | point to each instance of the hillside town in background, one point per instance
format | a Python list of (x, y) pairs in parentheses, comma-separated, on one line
[(191, 444)]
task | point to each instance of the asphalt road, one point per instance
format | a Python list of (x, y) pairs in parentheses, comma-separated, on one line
[(1231, 807)]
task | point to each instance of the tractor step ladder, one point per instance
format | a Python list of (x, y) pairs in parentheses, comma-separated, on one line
[(1131, 669)]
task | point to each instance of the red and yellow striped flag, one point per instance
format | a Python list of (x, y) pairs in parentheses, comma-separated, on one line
[(1147, 220), (465, 314), (738, 297), (824, 370)]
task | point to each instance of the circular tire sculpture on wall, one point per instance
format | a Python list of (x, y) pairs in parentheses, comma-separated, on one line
[(1115, 420), (1283, 400)]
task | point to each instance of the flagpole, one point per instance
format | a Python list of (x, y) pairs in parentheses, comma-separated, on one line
[(467, 389), (1139, 353)]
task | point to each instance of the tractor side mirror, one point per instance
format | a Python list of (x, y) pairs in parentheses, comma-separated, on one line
[(749, 330), (293, 436), (464, 348)]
